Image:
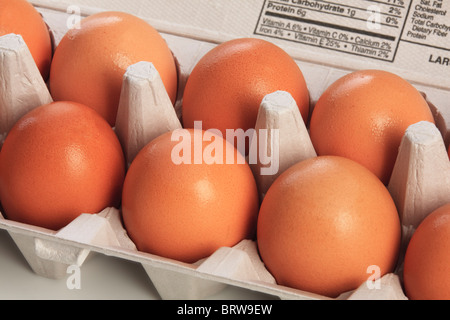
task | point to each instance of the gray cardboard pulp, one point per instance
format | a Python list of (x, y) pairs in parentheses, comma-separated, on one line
[(328, 40)]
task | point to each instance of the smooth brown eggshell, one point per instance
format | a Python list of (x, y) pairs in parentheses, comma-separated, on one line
[(20, 17), (364, 116), (187, 211), (426, 270), (91, 60), (324, 222), (60, 160), (226, 87)]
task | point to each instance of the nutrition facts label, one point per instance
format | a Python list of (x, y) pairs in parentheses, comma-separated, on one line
[(368, 28), (428, 24)]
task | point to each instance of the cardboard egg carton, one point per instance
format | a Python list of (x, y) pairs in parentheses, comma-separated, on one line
[(419, 182)]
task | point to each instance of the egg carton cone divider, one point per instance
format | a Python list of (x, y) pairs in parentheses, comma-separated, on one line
[(145, 110), (281, 135), (420, 181), (22, 87)]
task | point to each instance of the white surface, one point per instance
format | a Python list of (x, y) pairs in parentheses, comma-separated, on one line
[(101, 277)]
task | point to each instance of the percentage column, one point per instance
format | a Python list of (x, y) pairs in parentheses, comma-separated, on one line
[(395, 10), (392, 21), (279, 32), (396, 2)]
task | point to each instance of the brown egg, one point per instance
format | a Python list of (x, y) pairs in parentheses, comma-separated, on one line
[(90, 61), (324, 222), (426, 273), (20, 17), (60, 160), (364, 115), (226, 87), (182, 198)]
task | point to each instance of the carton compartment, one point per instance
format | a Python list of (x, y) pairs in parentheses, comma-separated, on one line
[(419, 182)]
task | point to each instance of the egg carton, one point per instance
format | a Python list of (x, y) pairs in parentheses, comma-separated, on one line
[(418, 185)]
